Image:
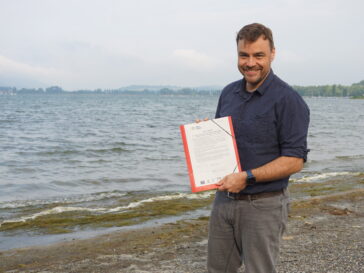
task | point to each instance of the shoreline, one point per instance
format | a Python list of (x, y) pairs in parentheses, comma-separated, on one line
[(44, 240), (325, 234), (56, 222)]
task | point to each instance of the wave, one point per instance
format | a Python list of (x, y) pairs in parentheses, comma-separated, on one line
[(206, 194), (66, 200), (108, 150), (7, 121), (81, 152), (318, 177), (130, 144), (56, 152), (162, 158), (132, 205), (352, 157), (55, 210)]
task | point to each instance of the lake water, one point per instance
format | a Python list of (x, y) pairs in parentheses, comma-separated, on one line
[(108, 154)]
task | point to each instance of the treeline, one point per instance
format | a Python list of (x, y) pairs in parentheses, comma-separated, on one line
[(58, 90), (354, 90)]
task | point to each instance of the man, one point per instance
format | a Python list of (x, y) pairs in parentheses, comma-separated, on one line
[(270, 121)]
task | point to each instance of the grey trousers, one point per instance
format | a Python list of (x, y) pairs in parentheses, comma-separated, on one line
[(246, 231)]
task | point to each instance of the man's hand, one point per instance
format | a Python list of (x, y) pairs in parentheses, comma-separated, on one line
[(234, 182), (199, 120)]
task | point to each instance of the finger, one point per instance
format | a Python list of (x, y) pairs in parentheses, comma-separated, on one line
[(221, 182), (206, 119), (197, 120), (221, 188)]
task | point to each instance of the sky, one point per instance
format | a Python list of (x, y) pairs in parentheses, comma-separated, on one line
[(107, 44)]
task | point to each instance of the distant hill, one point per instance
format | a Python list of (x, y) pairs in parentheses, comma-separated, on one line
[(17, 81), (170, 87), (354, 90), (148, 87)]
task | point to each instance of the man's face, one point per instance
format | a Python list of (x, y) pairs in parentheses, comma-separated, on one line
[(254, 61)]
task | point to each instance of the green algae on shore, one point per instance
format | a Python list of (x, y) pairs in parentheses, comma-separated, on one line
[(65, 222), (326, 204), (327, 187), (149, 208)]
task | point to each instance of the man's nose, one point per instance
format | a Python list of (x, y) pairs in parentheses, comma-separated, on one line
[(250, 61)]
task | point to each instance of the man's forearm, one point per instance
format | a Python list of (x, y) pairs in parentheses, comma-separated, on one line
[(281, 167)]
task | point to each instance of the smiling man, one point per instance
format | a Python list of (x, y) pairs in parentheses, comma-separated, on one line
[(270, 121), (254, 60)]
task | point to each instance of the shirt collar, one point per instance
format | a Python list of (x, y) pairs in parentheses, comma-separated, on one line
[(261, 89)]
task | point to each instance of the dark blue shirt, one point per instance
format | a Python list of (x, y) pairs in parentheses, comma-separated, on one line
[(268, 123)]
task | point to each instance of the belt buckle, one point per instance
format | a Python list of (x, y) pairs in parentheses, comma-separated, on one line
[(230, 195)]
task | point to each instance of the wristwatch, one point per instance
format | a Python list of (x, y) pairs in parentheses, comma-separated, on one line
[(250, 179)]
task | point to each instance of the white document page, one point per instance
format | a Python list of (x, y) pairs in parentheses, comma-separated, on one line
[(210, 152)]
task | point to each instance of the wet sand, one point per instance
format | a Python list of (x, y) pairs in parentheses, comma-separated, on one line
[(325, 234)]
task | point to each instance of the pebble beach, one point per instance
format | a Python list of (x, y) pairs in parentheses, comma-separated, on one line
[(325, 235)]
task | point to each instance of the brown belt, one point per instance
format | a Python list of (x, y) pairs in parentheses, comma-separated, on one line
[(240, 196)]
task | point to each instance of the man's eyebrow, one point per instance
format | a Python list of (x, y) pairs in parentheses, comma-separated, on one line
[(260, 53), (243, 53)]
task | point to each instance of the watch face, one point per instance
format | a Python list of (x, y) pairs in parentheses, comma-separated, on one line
[(251, 181), (250, 178)]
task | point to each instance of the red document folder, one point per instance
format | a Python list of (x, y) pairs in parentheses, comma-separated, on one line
[(211, 152)]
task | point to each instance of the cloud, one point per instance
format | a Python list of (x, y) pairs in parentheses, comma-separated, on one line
[(12, 67), (116, 43), (194, 59)]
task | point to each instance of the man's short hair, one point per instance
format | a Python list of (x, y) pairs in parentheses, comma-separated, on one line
[(252, 32)]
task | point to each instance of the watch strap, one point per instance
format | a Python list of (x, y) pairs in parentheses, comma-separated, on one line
[(250, 179)]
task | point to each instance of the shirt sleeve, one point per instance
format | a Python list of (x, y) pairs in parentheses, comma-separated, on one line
[(293, 121)]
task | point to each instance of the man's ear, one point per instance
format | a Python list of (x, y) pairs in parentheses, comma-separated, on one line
[(273, 54)]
